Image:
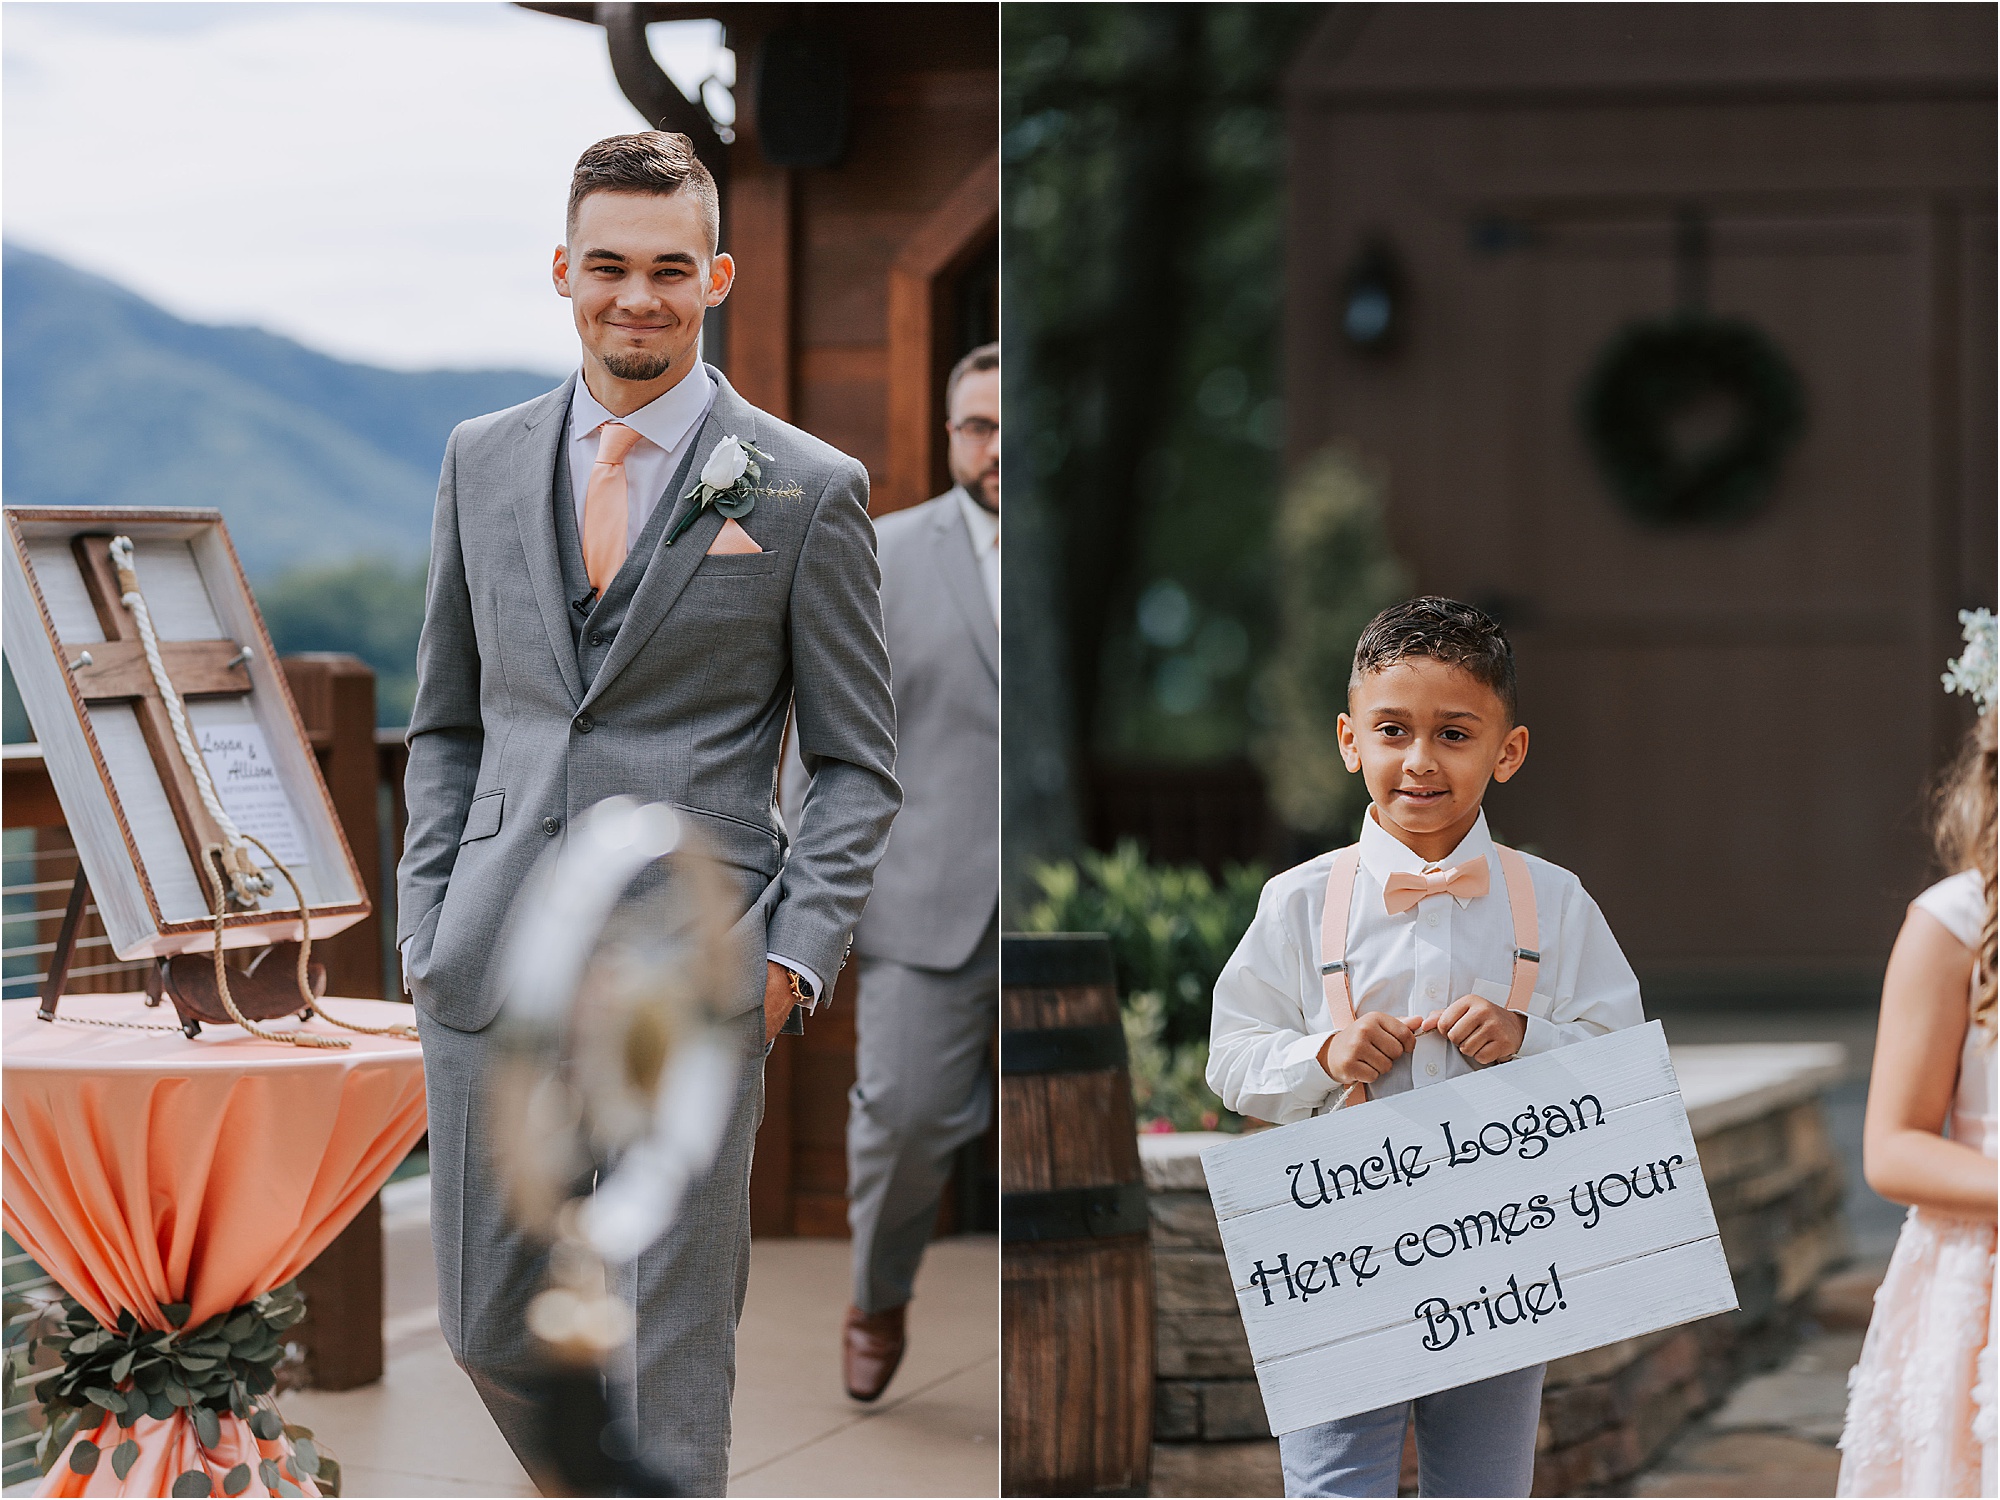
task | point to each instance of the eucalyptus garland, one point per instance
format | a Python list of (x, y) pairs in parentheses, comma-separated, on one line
[(1654, 371), (227, 1364)]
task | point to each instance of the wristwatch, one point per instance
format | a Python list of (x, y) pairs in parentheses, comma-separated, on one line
[(802, 999)]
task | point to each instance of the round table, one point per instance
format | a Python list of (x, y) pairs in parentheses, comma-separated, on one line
[(145, 1168)]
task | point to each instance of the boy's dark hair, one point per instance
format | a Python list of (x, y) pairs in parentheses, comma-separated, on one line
[(652, 161), (1442, 630)]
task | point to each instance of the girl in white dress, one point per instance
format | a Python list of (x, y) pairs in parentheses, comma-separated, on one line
[(1920, 1409)]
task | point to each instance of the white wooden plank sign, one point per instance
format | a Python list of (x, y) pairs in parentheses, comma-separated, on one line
[(1428, 1239)]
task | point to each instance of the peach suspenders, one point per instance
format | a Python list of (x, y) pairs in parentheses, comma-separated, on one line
[(1333, 939)]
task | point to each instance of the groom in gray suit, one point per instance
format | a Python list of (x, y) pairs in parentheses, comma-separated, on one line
[(929, 943), (591, 630)]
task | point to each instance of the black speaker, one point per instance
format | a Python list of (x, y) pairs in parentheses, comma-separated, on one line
[(802, 111)]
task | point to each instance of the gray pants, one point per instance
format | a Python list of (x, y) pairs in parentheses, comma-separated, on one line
[(1476, 1439), (687, 1289), (923, 1087)]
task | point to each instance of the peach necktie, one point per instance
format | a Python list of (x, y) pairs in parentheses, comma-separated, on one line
[(1400, 892), (604, 506)]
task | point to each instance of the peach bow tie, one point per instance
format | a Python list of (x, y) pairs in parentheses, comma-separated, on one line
[(605, 506), (1400, 891)]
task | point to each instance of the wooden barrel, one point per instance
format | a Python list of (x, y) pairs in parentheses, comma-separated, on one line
[(1076, 1299)]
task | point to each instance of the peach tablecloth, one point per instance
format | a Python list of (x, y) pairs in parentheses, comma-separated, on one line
[(142, 1168)]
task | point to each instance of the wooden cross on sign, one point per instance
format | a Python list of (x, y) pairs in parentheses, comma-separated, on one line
[(115, 668)]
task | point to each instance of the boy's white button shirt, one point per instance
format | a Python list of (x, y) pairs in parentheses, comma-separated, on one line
[(1271, 1019)]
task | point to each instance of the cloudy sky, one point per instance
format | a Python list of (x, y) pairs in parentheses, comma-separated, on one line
[(382, 181)]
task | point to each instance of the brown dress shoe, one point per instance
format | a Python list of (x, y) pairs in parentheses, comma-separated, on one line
[(871, 1346)]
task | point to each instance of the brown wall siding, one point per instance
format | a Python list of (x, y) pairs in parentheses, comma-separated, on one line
[(816, 248), (1732, 725)]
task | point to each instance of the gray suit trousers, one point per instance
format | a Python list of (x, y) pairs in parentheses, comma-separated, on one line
[(683, 1373), (923, 1088)]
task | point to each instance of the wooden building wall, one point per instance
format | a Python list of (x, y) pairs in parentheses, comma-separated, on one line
[(1733, 725), (858, 287)]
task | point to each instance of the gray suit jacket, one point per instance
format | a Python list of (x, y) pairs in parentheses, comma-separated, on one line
[(939, 883), (510, 739)]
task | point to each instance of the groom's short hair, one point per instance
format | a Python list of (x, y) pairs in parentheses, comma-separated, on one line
[(652, 161)]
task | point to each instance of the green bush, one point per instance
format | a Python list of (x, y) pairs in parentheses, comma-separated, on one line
[(1172, 928)]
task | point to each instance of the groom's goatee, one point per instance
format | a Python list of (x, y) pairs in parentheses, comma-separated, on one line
[(638, 366)]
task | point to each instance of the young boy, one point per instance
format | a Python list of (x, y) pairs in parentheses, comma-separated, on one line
[(1431, 965)]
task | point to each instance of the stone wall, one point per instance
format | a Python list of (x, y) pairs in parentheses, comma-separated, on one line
[(1773, 1177)]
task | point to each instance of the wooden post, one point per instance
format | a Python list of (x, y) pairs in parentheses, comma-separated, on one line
[(771, 1159), (336, 698), (342, 1329)]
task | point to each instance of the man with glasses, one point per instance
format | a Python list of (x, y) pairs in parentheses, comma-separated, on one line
[(928, 943)]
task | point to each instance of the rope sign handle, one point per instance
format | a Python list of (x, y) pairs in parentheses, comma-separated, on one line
[(248, 884)]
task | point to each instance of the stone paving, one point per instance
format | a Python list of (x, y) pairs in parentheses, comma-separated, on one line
[(1775, 1435), (421, 1430)]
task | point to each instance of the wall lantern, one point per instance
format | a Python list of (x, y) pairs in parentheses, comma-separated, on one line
[(1372, 300), (802, 97)]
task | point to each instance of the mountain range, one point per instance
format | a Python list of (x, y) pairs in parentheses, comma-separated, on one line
[(111, 400)]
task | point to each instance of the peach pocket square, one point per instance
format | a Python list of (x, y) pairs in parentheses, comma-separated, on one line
[(732, 540)]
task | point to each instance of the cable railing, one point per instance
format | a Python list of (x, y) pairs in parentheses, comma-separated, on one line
[(29, 1290)]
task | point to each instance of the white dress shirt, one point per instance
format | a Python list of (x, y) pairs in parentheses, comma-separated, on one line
[(666, 425), (1270, 1018), (984, 527)]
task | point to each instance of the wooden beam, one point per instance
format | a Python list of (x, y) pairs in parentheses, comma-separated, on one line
[(919, 290), (197, 669), (771, 1158), (335, 694), (760, 306), (342, 1330)]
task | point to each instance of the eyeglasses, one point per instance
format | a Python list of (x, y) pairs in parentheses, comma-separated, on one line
[(975, 429)]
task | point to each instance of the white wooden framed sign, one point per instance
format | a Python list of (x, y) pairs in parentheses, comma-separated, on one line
[(140, 826), (1417, 1242)]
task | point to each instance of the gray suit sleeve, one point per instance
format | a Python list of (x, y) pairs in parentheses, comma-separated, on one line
[(845, 720), (446, 732)]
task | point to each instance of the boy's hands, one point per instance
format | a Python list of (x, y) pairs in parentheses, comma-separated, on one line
[(1486, 1033), (1362, 1052)]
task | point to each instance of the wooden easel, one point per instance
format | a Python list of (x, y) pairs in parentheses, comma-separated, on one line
[(65, 951), (144, 832)]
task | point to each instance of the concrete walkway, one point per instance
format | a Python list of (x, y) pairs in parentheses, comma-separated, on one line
[(421, 1431)]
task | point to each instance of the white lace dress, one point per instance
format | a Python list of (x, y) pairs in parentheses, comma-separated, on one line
[(1920, 1404)]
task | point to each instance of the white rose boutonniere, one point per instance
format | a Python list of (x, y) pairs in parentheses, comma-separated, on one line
[(730, 483)]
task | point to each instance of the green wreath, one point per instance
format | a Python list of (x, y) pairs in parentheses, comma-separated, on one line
[(1653, 372)]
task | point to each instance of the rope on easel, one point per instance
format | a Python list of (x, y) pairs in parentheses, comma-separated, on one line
[(400, 1029), (247, 884)]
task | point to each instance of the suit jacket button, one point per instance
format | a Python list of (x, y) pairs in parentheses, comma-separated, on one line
[(584, 723), (551, 826), (596, 637)]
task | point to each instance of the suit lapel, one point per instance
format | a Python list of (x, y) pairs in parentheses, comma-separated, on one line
[(669, 568), (534, 471), (951, 542)]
